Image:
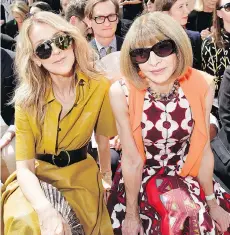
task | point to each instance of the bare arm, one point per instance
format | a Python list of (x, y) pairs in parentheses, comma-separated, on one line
[(133, 2), (131, 161), (29, 183), (103, 153), (207, 164)]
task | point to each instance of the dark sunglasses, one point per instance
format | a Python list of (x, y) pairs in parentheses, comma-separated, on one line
[(225, 6), (162, 49), (44, 50), (146, 1)]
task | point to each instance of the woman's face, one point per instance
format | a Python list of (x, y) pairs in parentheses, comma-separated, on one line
[(19, 19), (179, 11), (224, 13), (159, 69), (151, 7), (210, 3), (60, 61)]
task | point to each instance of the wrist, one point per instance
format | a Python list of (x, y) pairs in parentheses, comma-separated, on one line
[(212, 203), (41, 205)]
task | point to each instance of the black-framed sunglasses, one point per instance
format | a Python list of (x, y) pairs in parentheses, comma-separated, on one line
[(44, 50), (101, 19), (163, 48), (225, 6), (146, 1)]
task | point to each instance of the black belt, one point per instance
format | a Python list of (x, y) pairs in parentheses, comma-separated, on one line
[(65, 158)]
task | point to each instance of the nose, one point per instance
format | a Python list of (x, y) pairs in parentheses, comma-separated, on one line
[(154, 60), (107, 22), (55, 49), (186, 10)]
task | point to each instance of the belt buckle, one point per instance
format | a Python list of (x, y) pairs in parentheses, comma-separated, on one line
[(61, 159)]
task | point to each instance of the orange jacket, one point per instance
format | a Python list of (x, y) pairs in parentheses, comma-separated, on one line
[(195, 85)]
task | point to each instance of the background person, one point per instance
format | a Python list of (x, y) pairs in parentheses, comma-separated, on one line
[(216, 48), (7, 141), (103, 19), (19, 11), (178, 9), (200, 19)]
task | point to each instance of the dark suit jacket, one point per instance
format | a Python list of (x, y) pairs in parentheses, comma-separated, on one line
[(119, 43), (7, 85), (221, 144), (7, 42), (10, 28), (196, 43), (224, 104)]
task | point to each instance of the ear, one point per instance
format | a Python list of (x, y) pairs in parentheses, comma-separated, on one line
[(88, 22), (72, 20), (36, 61), (219, 14)]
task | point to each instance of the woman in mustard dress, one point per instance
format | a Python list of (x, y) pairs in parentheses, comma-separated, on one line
[(59, 101)]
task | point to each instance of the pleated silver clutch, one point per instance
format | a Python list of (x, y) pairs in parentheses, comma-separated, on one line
[(62, 206)]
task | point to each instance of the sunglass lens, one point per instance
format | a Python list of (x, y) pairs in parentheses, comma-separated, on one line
[(62, 42), (227, 7), (140, 56), (44, 51), (164, 48)]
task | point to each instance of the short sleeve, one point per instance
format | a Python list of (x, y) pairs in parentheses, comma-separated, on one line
[(106, 124), (25, 143)]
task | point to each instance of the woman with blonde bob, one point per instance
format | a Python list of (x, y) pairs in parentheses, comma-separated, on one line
[(59, 101), (164, 185)]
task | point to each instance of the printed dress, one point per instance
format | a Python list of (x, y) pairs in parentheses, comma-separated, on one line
[(169, 204)]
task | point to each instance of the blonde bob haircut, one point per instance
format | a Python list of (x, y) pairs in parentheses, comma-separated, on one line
[(20, 7), (34, 81), (146, 31)]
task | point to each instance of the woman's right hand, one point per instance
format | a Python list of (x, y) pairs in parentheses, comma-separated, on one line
[(51, 222), (132, 225)]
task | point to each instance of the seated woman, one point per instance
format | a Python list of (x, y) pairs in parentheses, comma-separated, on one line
[(149, 6), (216, 48), (19, 11), (178, 9), (200, 18), (164, 185), (59, 101)]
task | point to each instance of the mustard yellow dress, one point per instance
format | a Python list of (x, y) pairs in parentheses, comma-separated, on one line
[(80, 183)]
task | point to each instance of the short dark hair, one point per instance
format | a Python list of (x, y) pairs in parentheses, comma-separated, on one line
[(91, 4), (164, 5), (44, 6), (76, 8)]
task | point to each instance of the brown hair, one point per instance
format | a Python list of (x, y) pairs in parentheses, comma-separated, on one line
[(76, 8), (218, 25), (149, 29), (92, 3), (164, 5)]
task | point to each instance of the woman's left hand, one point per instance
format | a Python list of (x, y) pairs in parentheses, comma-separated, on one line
[(220, 216)]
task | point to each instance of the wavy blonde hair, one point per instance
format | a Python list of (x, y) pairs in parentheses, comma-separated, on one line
[(147, 30), (33, 81)]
